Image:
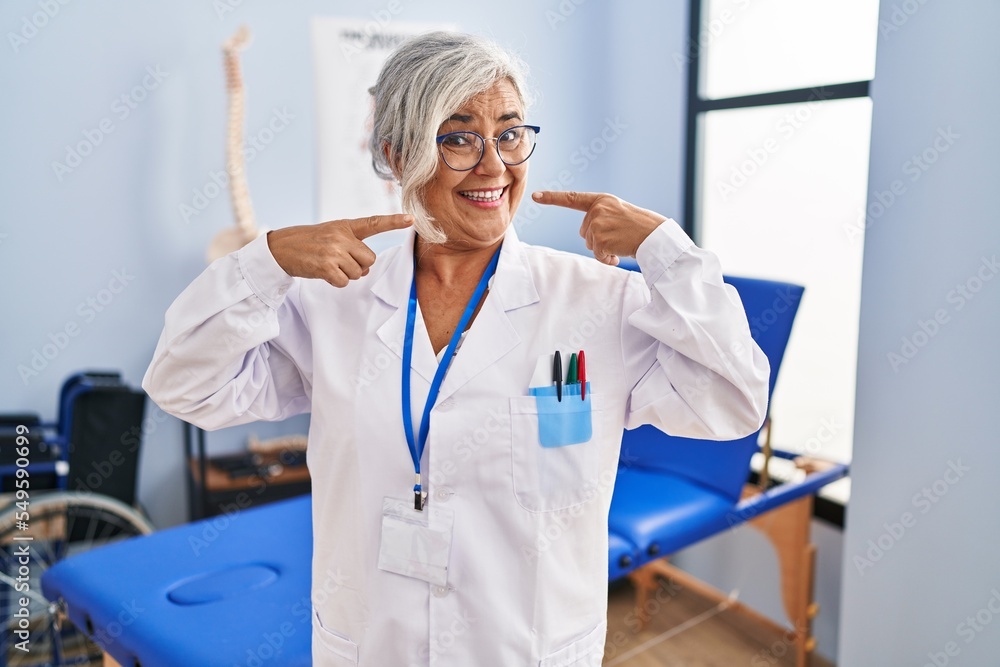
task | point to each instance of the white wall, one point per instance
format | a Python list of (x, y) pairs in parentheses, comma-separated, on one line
[(923, 530), (64, 235)]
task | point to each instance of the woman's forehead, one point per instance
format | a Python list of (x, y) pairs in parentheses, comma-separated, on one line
[(497, 103)]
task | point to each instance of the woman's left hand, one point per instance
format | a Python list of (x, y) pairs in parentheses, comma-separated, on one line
[(612, 227)]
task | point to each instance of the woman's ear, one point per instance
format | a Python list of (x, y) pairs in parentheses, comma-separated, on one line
[(393, 162)]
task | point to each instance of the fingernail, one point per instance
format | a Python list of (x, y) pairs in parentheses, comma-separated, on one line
[(537, 196)]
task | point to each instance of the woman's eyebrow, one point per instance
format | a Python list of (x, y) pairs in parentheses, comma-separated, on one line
[(467, 118)]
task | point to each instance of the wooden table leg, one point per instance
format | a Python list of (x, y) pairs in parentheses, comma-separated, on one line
[(788, 529)]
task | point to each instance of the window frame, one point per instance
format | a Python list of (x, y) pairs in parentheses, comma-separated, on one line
[(828, 509), (697, 106)]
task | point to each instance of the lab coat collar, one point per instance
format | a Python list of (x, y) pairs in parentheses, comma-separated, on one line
[(491, 336), (513, 284)]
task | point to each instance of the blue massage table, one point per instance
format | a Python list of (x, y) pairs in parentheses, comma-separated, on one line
[(673, 492), (230, 590)]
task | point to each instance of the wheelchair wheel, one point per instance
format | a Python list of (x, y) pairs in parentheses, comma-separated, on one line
[(61, 524)]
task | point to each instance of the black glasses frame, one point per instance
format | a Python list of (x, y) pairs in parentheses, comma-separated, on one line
[(482, 151)]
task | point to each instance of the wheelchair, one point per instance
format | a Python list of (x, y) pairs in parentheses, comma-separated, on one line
[(65, 487)]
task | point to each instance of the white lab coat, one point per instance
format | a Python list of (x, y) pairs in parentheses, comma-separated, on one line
[(527, 577)]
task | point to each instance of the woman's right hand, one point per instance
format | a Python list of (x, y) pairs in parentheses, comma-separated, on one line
[(332, 251)]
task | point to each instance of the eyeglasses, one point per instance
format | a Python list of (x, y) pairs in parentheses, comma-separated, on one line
[(462, 151)]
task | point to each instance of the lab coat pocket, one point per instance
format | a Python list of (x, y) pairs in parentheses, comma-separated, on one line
[(555, 450), (565, 421), (336, 650), (588, 651)]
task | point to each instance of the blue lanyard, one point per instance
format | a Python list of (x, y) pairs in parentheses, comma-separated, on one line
[(417, 446)]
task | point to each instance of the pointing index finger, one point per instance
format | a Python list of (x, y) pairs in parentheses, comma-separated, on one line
[(580, 201), (376, 224)]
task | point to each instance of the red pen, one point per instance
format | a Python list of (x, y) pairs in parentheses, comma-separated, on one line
[(581, 373)]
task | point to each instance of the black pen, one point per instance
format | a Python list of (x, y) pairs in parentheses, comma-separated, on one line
[(557, 374)]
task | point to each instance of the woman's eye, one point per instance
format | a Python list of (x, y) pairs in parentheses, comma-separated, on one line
[(511, 136), (456, 141)]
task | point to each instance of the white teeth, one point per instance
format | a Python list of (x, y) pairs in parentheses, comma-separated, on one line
[(483, 195)]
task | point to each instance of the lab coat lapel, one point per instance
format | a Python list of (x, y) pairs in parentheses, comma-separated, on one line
[(492, 335), (393, 288)]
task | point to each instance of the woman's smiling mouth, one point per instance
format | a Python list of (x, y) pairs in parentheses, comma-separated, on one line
[(485, 198)]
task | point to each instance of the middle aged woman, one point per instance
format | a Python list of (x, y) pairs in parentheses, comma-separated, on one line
[(461, 474)]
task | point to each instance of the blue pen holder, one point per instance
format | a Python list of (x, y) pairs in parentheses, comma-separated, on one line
[(565, 422)]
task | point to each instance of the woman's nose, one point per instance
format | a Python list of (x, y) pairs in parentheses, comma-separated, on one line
[(491, 164)]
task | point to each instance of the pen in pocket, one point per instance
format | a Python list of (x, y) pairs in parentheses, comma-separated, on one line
[(576, 374), (557, 374)]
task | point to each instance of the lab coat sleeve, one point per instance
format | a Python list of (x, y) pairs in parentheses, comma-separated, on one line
[(689, 358), (234, 345)]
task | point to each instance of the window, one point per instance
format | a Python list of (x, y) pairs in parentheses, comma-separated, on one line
[(779, 122)]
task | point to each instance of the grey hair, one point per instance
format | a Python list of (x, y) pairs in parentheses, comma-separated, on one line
[(423, 82)]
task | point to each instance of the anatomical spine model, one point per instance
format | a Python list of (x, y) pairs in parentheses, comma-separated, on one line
[(245, 230)]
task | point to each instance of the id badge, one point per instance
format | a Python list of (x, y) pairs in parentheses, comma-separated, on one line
[(416, 544)]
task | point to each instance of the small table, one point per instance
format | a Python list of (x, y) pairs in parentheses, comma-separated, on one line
[(213, 491)]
